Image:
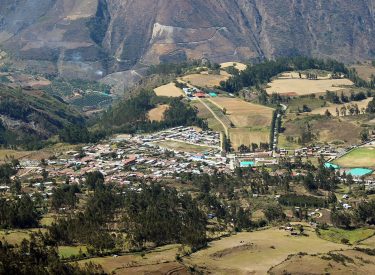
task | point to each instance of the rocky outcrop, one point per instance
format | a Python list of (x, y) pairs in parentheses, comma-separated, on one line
[(95, 37)]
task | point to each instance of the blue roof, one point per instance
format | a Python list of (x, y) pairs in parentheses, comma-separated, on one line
[(247, 163), (213, 94), (331, 165), (359, 172)]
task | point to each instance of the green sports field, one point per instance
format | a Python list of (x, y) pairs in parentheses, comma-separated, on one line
[(361, 157)]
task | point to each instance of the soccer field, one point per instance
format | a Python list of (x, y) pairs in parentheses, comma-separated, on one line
[(361, 157)]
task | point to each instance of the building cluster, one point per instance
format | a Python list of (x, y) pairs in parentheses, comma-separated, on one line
[(124, 160)]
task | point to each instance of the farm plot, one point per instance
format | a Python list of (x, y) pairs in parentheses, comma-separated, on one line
[(158, 261), (169, 90), (238, 66), (360, 157), (294, 86), (257, 252), (244, 114), (157, 114), (247, 136), (205, 80)]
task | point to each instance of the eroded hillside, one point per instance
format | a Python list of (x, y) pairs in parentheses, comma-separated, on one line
[(92, 38)]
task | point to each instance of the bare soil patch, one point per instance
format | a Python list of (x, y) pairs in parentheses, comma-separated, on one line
[(291, 84), (365, 71), (271, 247), (237, 65), (205, 80), (157, 114), (169, 90)]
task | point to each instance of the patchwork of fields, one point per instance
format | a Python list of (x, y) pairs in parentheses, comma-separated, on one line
[(294, 86)]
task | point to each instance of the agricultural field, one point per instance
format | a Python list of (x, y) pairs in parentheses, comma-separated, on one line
[(312, 102), (332, 130), (161, 260), (244, 114), (256, 252), (290, 84), (169, 90), (204, 113), (237, 65), (157, 114), (360, 157), (247, 136), (245, 122), (353, 236), (206, 80)]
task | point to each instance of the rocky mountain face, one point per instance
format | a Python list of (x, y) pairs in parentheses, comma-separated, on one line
[(93, 38)]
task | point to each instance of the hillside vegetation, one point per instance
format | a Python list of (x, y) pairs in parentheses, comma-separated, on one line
[(29, 117)]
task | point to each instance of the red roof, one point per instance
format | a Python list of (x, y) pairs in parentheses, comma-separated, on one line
[(200, 94)]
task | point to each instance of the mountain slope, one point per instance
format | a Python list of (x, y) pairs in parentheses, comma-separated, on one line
[(94, 37), (28, 116)]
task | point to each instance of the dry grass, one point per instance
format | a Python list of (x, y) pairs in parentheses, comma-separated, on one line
[(157, 114), (326, 130), (205, 80), (204, 113), (169, 90), (332, 107), (158, 261), (290, 84), (256, 252), (238, 66), (346, 262), (247, 136), (365, 71), (244, 114)]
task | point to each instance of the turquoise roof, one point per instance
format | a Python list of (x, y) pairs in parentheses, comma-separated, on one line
[(331, 165), (359, 172)]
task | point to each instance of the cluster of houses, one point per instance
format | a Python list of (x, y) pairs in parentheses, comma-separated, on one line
[(195, 92), (129, 159), (188, 135)]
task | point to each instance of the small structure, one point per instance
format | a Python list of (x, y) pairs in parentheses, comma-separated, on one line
[(200, 95)]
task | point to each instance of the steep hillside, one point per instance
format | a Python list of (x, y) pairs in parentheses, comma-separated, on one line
[(91, 38), (28, 117)]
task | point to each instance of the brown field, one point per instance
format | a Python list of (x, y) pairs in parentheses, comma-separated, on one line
[(332, 107), (365, 71), (245, 114), (326, 130), (354, 262), (257, 252), (238, 66), (159, 261), (204, 113), (290, 84), (157, 114), (169, 90), (246, 136), (205, 80)]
